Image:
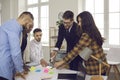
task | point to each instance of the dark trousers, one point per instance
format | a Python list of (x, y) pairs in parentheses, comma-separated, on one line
[(1, 78), (76, 64)]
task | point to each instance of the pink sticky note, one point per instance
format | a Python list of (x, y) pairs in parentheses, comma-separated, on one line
[(46, 70)]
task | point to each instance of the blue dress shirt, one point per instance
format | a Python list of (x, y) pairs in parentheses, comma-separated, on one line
[(10, 52)]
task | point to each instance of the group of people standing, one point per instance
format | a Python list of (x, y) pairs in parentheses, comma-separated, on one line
[(78, 36), (82, 34)]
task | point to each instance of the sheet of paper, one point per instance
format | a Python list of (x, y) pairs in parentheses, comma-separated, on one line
[(32, 64)]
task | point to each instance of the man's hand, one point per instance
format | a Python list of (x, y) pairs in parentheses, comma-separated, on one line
[(53, 55), (26, 68), (22, 74), (59, 64), (43, 63)]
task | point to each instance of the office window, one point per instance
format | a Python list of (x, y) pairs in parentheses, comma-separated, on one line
[(44, 23), (40, 10), (114, 22), (34, 11), (96, 7), (44, 0), (107, 17), (32, 2)]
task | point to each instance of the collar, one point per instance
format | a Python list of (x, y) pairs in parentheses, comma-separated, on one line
[(70, 27), (36, 41)]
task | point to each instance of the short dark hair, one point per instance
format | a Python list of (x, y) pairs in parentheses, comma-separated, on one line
[(27, 13), (68, 14), (37, 30)]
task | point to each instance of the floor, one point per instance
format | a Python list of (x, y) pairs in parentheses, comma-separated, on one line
[(112, 75)]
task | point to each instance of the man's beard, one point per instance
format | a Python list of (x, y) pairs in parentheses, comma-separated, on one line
[(25, 29), (38, 40)]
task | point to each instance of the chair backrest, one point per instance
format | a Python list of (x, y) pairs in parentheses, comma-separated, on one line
[(113, 54)]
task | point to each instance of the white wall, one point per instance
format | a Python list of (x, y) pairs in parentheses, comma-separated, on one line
[(9, 9), (21, 6), (56, 6), (5, 15), (80, 5)]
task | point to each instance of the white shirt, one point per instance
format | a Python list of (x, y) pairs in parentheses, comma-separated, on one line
[(36, 52)]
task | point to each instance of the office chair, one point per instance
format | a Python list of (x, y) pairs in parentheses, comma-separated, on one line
[(113, 59)]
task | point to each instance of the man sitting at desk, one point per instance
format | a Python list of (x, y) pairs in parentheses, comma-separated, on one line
[(36, 52)]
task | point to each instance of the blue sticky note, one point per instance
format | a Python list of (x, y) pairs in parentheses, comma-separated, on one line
[(38, 70)]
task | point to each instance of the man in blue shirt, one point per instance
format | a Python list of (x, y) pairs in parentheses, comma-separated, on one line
[(10, 52)]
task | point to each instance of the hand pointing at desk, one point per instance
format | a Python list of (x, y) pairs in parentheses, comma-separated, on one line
[(59, 64), (22, 74)]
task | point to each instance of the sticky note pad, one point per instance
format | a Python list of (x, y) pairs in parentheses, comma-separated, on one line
[(38, 70), (46, 70), (51, 72), (32, 68)]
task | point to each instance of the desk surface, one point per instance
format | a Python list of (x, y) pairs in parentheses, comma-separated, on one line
[(40, 72), (53, 73)]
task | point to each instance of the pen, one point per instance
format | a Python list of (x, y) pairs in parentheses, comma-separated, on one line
[(51, 59)]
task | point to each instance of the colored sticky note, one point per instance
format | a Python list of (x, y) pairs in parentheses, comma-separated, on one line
[(51, 72), (38, 70), (32, 68), (46, 70)]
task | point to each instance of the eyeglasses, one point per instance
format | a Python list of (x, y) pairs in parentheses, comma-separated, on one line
[(67, 23)]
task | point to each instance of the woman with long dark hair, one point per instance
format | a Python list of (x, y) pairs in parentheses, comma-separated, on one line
[(90, 38)]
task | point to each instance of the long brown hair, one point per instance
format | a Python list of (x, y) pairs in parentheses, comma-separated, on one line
[(89, 27)]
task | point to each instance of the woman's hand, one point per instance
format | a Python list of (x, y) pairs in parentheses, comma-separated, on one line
[(59, 64)]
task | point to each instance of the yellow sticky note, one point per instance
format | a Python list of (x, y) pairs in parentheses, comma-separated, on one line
[(32, 68)]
